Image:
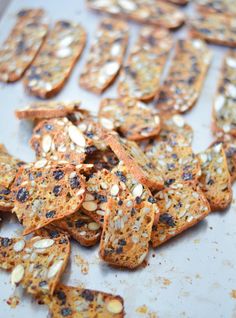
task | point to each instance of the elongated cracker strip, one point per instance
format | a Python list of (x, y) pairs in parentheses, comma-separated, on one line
[(154, 12), (132, 118), (44, 194), (140, 77), (36, 263), (214, 28), (183, 84), (52, 109), (76, 302), (22, 45), (223, 7), (56, 59), (181, 207), (105, 56), (224, 108), (215, 180)]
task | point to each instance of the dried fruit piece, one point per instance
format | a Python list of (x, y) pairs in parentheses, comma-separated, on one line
[(81, 228), (132, 118), (106, 55), (71, 302), (57, 57), (102, 160), (47, 110), (184, 81), (43, 195), (182, 205), (224, 108), (36, 263), (215, 179), (140, 77), (22, 44), (154, 12)]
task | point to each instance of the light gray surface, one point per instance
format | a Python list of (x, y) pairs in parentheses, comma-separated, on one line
[(199, 264)]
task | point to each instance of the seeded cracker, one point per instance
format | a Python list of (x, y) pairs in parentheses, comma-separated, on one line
[(215, 180), (8, 169), (140, 77), (132, 118), (22, 45), (46, 194), (73, 302), (224, 108), (154, 12), (181, 206), (214, 28), (57, 57), (135, 161), (224, 7), (36, 263), (39, 110), (106, 55), (184, 81), (81, 228)]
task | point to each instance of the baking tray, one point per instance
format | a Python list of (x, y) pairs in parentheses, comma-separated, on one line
[(192, 275)]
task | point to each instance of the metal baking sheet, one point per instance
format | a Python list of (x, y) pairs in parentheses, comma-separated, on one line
[(192, 275)]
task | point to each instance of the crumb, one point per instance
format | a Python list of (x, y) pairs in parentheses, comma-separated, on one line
[(233, 293), (82, 263), (166, 282), (142, 309), (153, 255), (13, 301)]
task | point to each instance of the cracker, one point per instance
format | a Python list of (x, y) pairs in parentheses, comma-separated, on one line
[(214, 28), (105, 57), (135, 160), (224, 7), (132, 118), (22, 45), (39, 110), (56, 60), (46, 193), (58, 139), (224, 110), (140, 77), (76, 302), (181, 206), (187, 72), (215, 180), (154, 12), (36, 263), (179, 2), (81, 228)]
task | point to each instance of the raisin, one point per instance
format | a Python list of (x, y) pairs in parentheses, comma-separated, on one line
[(79, 224), (152, 200), (57, 190), (42, 283), (74, 182), (87, 295), (6, 241), (167, 219), (58, 174), (119, 250), (122, 242), (61, 295), (50, 214), (138, 200), (66, 312), (90, 150), (187, 176), (22, 195), (54, 234), (5, 191)]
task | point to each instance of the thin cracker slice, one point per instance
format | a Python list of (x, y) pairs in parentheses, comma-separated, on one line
[(38, 262), (136, 161), (52, 109), (215, 180), (181, 206), (56, 60), (140, 77), (223, 7), (81, 228), (73, 302), (132, 118), (45, 194), (154, 12), (22, 45)]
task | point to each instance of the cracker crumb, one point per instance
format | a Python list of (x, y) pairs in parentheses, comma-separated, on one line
[(166, 281), (83, 264), (233, 293), (144, 310), (13, 301)]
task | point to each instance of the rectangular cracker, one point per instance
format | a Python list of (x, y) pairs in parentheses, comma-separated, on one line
[(45, 192), (223, 7), (181, 206), (78, 302), (81, 228), (22, 45), (56, 59), (215, 180), (106, 55), (184, 81), (36, 263), (38, 110), (140, 77), (130, 117), (135, 160), (214, 28), (224, 108), (158, 13)]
